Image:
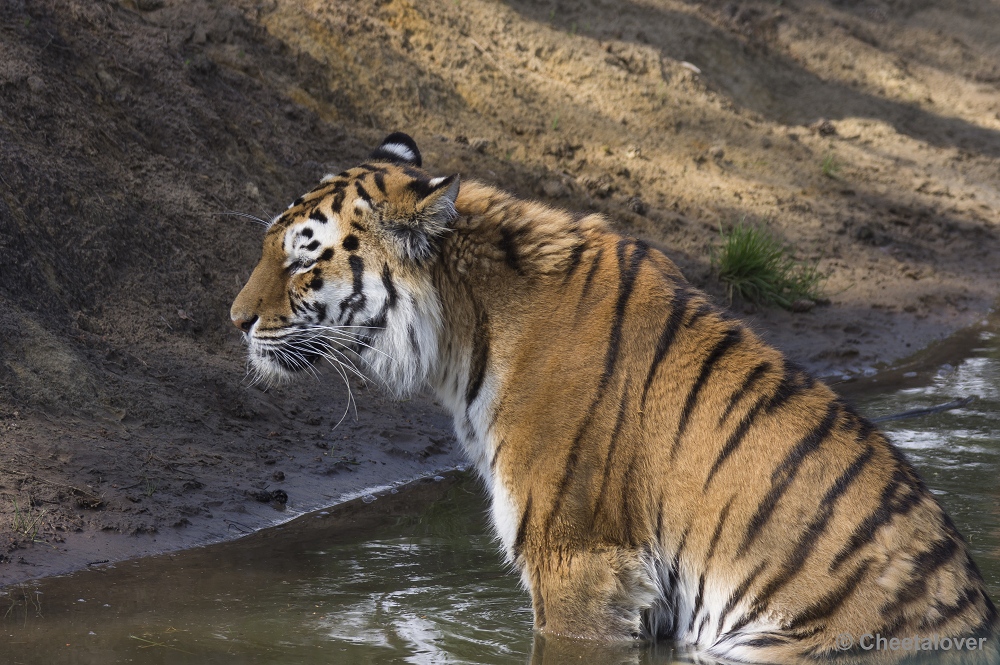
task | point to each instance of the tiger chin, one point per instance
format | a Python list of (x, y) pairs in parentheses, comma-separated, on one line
[(654, 470)]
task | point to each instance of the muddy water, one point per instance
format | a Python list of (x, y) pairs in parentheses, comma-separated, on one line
[(414, 577)]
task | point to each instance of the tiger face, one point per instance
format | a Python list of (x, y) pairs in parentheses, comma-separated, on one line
[(342, 274)]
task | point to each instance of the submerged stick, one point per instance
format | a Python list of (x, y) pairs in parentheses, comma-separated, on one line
[(916, 413)]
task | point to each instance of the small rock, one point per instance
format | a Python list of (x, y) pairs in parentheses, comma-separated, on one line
[(36, 84), (438, 479), (251, 191), (369, 498), (278, 476), (148, 5), (824, 127), (279, 496), (107, 81), (766, 143), (633, 152), (802, 305), (717, 152), (636, 205)]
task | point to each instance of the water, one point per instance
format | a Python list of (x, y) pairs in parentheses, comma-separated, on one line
[(415, 577)]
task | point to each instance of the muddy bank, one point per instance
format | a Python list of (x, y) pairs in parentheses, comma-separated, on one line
[(867, 135)]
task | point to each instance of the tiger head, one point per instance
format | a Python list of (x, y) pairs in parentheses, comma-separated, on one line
[(344, 276)]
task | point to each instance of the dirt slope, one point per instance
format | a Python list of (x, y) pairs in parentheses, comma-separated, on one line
[(128, 130)]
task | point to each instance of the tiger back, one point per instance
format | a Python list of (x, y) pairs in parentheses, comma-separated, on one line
[(654, 469)]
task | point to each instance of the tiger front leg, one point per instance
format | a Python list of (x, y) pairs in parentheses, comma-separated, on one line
[(597, 594)]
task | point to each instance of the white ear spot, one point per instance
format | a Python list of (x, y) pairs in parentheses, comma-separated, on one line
[(399, 150), (362, 205), (437, 181)]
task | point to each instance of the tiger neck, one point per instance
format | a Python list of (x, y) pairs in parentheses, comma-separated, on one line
[(491, 266)]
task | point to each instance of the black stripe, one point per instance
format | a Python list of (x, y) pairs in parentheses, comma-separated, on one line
[(832, 601), (318, 216), (659, 520), (629, 271), (703, 309), (610, 455), (681, 299), (362, 192), (593, 271), (887, 507), (770, 640), (793, 381), (411, 333), (847, 478), (786, 472), (723, 514), (421, 186), (738, 594), (728, 341), (509, 240), (390, 287), (701, 627), (628, 513), (924, 564), (736, 438), (359, 227), (752, 378), (522, 528), (355, 302), (337, 203), (697, 602), (380, 181), (810, 536), (480, 356), (948, 612), (575, 256), (496, 453)]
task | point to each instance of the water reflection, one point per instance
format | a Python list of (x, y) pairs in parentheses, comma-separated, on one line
[(417, 578)]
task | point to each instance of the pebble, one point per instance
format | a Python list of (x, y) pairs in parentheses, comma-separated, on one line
[(36, 84), (717, 152), (802, 305), (368, 498)]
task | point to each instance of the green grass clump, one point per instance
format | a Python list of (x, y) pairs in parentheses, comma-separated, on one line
[(755, 266)]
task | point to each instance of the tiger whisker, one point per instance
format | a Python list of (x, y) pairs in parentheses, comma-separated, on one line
[(253, 218)]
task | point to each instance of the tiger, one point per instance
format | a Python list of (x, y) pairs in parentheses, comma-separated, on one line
[(654, 470)]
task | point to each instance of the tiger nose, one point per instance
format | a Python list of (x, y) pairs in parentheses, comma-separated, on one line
[(245, 324)]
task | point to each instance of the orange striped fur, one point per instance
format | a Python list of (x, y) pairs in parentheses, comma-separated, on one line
[(655, 470)]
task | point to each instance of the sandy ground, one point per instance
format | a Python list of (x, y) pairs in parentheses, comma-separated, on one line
[(865, 134)]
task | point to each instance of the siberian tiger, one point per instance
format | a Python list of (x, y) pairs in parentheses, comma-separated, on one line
[(654, 469)]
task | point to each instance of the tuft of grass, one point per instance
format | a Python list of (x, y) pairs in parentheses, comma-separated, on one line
[(27, 522), (755, 266), (830, 166)]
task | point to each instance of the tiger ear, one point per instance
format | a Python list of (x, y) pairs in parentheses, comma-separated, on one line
[(397, 148), (435, 212)]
